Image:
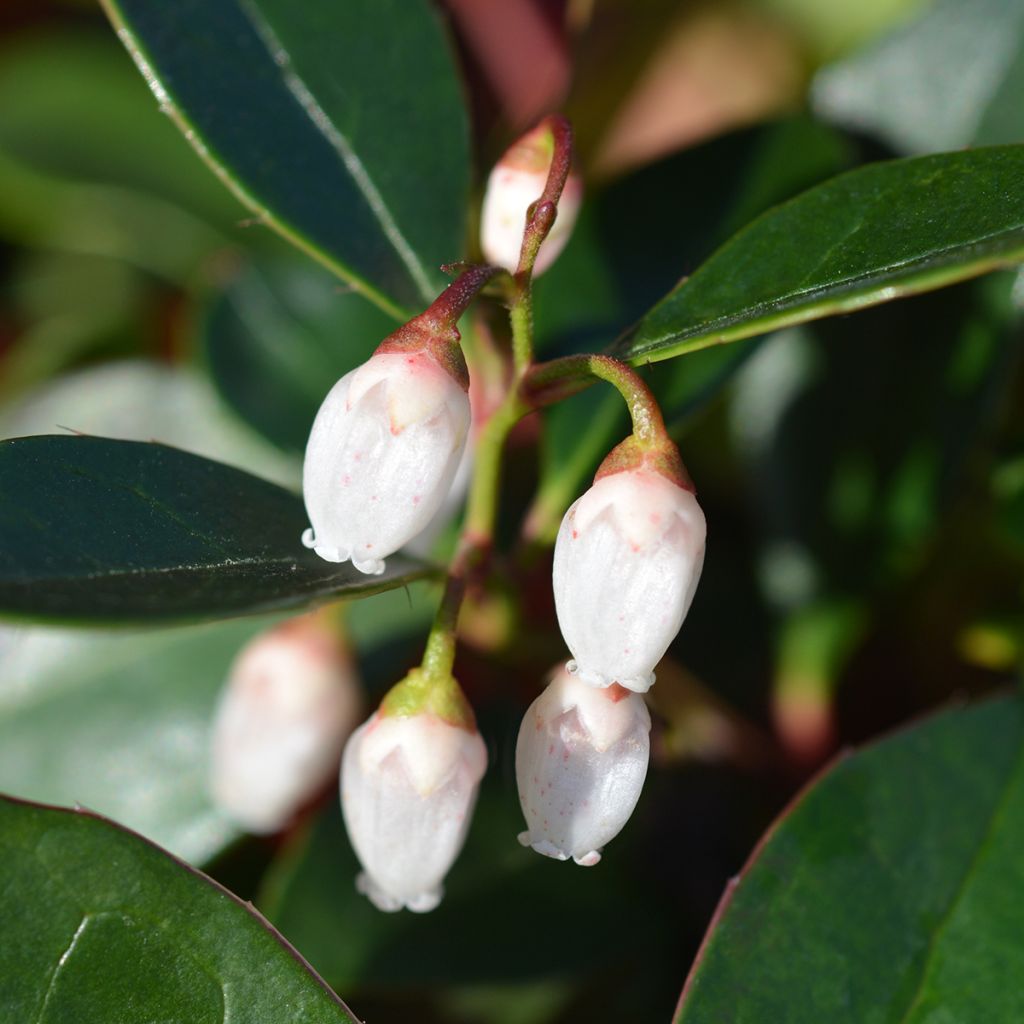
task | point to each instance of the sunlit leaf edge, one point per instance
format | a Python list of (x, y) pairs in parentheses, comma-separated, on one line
[(207, 153), (892, 282)]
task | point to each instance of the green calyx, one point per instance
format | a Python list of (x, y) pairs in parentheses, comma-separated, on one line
[(421, 693), (661, 457)]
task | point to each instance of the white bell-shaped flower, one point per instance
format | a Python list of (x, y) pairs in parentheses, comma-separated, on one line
[(581, 760), (515, 183), (290, 702), (381, 457), (627, 561), (408, 786)]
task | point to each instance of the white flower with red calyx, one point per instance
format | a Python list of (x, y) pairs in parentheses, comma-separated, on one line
[(581, 761), (389, 436), (409, 780), (516, 182), (628, 557), (290, 702)]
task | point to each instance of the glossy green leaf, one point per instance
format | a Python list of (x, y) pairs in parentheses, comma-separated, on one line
[(102, 927), (639, 234), (119, 723), (949, 78), (889, 892), (341, 125), (279, 336), (870, 235), (94, 530)]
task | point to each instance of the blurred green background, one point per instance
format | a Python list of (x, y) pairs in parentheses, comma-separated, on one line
[(863, 477)]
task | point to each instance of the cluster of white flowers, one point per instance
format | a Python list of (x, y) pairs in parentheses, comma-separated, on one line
[(380, 462)]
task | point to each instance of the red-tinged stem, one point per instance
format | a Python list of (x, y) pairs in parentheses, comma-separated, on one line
[(447, 309), (540, 220)]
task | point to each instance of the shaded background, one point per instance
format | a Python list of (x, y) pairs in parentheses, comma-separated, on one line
[(863, 477)]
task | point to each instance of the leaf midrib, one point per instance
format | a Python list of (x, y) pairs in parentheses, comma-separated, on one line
[(296, 86)]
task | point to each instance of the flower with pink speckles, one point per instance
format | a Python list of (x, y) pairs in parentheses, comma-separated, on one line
[(628, 557), (408, 785), (581, 761), (381, 457)]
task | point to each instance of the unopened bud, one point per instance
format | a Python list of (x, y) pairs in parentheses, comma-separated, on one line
[(290, 701), (627, 561), (408, 786), (581, 761), (381, 456), (516, 182)]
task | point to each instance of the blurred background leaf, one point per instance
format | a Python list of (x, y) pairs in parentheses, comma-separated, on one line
[(948, 79), (119, 723)]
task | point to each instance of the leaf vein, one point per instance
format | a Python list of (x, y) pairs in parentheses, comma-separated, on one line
[(341, 145)]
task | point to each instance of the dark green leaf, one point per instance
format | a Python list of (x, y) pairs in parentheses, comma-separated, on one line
[(341, 125), (278, 338), (888, 893), (950, 78), (94, 530), (870, 235), (102, 927), (119, 723)]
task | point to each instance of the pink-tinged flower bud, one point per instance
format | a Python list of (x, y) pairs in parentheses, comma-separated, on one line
[(408, 786), (581, 761), (381, 456), (627, 560), (515, 183), (290, 701)]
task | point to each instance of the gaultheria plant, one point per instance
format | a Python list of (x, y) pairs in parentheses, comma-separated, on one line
[(581, 761)]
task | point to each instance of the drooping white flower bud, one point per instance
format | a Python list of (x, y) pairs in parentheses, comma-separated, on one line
[(408, 786), (627, 561), (381, 456), (515, 183), (290, 701), (581, 760)]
